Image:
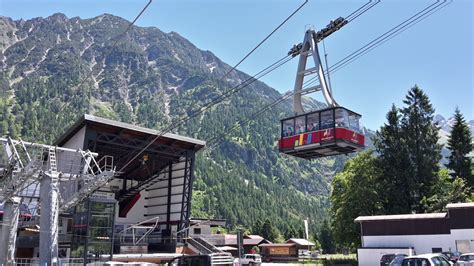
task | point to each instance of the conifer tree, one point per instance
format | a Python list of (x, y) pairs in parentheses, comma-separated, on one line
[(396, 183), (421, 140), (460, 145), (325, 238), (269, 231)]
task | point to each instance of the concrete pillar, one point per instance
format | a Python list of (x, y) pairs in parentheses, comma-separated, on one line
[(49, 214), (11, 210)]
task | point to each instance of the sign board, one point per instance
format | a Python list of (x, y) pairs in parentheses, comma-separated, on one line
[(279, 250), (134, 249), (103, 195)]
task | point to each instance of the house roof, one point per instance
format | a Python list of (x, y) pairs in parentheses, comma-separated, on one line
[(278, 245), (254, 240), (227, 248), (300, 242), (401, 217), (254, 236)]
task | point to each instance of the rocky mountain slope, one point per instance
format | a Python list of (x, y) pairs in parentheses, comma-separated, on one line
[(57, 68)]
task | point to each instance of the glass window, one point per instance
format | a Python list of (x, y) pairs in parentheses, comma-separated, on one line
[(342, 119), (288, 128), (101, 208), (300, 125), (313, 122), (440, 261), (354, 122), (415, 262), (327, 119)]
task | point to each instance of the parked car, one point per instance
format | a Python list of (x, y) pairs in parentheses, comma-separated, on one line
[(398, 260), (426, 260), (251, 259), (466, 259), (387, 259), (221, 259), (452, 256)]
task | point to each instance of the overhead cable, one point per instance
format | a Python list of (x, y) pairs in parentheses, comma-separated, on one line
[(427, 11), (423, 14), (206, 106), (268, 36)]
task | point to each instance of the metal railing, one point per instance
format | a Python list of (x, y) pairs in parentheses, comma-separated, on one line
[(61, 262)]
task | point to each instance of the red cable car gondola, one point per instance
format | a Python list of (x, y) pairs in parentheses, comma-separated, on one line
[(327, 132)]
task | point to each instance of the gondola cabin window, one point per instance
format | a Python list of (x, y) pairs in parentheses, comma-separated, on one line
[(288, 128), (342, 118), (300, 123), (313, 122), (354, 122), (327, 119)]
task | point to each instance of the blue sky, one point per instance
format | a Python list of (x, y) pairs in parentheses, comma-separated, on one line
[(436, 54)]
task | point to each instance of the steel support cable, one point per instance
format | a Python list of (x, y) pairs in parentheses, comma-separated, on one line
[(215, 141), (205, 107), (183, 115), (355, 14), (116, 38), (401, 30), (357, 10), (266, 38), (384, 35), (242, 85), (365, 49), (349, 19)]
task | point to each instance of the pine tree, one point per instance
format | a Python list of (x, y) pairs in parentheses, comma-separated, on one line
[(396, 183), (269, 231), (325, 239), (460, 145), (421, 136)]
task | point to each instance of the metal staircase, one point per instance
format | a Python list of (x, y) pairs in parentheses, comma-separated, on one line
[(198, 247), (207, 244)]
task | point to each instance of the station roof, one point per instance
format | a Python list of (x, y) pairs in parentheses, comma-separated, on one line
[(415, 216), (129, 129), (124, 142), (401, 217)]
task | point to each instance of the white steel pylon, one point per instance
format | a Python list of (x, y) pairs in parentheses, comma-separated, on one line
[(57, 170), (309, 47)]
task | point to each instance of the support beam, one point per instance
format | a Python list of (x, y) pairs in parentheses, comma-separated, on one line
[(9, 230), (49, 207)]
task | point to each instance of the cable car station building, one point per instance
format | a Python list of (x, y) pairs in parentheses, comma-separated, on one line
[(154, 186)]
